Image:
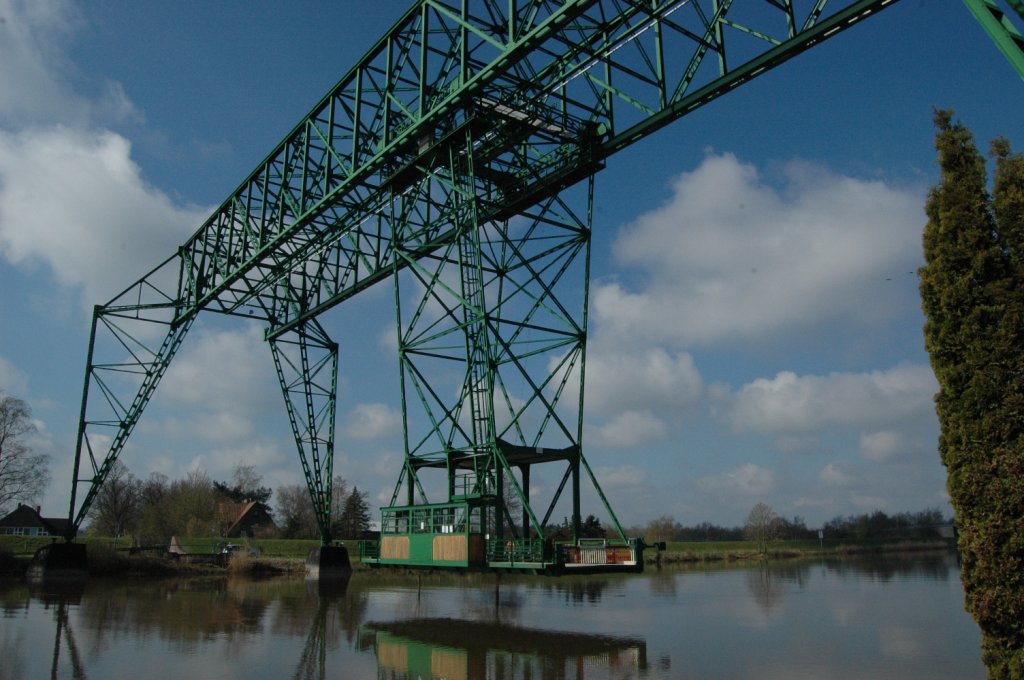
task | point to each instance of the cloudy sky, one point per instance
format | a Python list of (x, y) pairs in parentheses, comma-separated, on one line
[(755, 323)]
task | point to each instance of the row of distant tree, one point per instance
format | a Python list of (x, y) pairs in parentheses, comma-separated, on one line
[(156, 508), (764, 524)]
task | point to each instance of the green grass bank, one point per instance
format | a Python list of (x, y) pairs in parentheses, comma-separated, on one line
[(282, 556)]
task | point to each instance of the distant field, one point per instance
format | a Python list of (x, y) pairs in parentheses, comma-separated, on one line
[(698, 547), (697, 551)]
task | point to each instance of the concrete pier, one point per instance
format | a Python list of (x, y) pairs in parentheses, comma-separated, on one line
[(59, 562), (328, 561)]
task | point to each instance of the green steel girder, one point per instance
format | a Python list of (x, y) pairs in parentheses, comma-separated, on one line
[(1001, 29), (303, 232)]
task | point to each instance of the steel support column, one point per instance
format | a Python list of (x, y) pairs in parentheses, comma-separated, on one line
[(492, 335), (306, 361), (131, 344)]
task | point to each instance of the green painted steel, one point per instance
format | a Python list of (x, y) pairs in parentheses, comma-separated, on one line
[(131, 344), (430, 535), (451, 158), (513, 295), (306, 361), (307, 228), (1001, 29)]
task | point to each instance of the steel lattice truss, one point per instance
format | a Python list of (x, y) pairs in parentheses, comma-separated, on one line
[(993, 17), (443, 160)]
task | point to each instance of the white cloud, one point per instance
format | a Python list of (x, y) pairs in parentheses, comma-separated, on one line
[(621, 477), (35, 74), (746, 480), (790, 403), (372, 421), (628, 429), (805, 443), (887, 445), (71, 196), (217, 426), (870, 503), (262, 455), (76, 201), (227, 372), (633, 397), (730, 257), (13, 381), (387, 339), (650, 379), (40, 439), (29, 84), (833, 475)]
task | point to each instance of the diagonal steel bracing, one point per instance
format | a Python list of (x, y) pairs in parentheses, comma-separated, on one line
[(492, 335), (1000, 26), (306, 361), (624, 67), (131, 344)]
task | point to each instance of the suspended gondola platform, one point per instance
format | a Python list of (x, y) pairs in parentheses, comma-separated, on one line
[(476, 528), (450, 536)]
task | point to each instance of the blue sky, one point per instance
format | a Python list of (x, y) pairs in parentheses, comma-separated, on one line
[(755, 325)]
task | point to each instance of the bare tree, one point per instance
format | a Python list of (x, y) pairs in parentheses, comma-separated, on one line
[(664, 528), (115, 511), (245, 487), (339, 494), (762, 526), (246, 477), (295, 512), (23, 473), (154, 525)]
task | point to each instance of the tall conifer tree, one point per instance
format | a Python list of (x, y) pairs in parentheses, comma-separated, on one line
[(972, 291)]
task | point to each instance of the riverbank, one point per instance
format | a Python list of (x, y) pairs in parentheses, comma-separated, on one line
[(738, 551), (284, 557)]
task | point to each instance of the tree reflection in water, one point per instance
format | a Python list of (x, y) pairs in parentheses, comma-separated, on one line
[(934, 566), (769, 581), (189, 613), (690, 624), (766, 587), (579, 589)]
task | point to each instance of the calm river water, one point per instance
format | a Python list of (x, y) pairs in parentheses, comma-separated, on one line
[(880, 618)]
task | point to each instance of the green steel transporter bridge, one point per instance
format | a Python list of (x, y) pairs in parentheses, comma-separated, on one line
[(455, 160)]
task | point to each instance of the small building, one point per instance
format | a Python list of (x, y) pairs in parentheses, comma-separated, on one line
[(245, 519), (26, 521)]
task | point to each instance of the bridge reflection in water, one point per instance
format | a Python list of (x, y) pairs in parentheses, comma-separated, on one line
[(457, 649), (872, 617), (62, 597)]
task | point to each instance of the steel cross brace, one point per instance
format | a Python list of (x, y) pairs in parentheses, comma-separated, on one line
[(306, 361), (1001, 29)]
